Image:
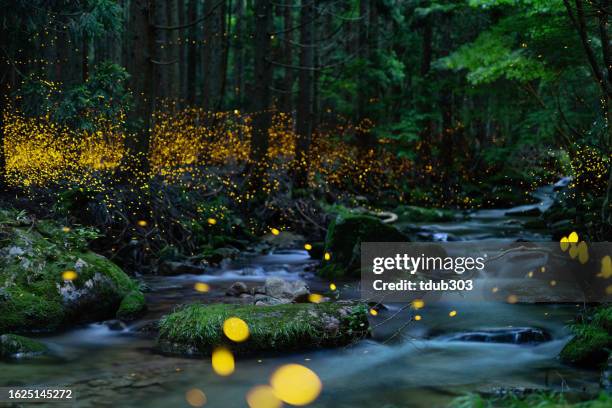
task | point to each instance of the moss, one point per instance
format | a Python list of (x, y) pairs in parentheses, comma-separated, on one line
[(532, 399), (343, 242), (409, 213), (132, 306), (12, 345), (589, 348), (197, 329), (33, 294)]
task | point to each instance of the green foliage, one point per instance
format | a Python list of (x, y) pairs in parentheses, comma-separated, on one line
[(536, 399), (103, 98), (592, 340), (12, 345), (197, 329)]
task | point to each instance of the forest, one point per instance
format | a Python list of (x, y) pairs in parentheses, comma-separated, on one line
[(195, 178)]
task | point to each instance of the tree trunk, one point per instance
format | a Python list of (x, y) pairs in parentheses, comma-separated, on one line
[(287, 99), (239, 54), (262, 117), (173, 52), (192, 53), (214, 47), (161, 59), (305, 96), (142, 51)]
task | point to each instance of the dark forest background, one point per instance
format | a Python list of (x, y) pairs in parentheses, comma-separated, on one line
[(268, 105)]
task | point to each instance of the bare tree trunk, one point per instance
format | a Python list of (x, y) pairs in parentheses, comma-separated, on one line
[(192, 53), (261, 99), (160, 18), (287, 99), (142, 51), (214, 47), (305, 96), (239, 52), (173, 52)]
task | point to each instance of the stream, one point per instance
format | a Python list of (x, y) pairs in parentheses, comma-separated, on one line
[(425, 364)]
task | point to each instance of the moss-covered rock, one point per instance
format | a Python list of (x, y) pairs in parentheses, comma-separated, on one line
[(132, 306), (14, 346), (197, 329), (343, 242), (409, 213), (36, 294), (592, 342)]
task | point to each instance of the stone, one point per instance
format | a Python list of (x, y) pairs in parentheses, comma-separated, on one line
[(291, 291), (14, 346), (237, 289)]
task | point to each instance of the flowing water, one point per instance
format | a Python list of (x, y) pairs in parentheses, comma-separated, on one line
[(407, 364)]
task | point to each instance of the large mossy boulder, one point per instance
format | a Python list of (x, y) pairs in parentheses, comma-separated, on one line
[(343, 243), (49, 279), (14, 346), (198, 329), (592, 343)]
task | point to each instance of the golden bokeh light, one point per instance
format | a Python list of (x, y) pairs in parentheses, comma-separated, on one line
[(315, 298), (418, 304), (236, 329), (196, 397), (263, 396), (201, 287), (69, 275), (211, 221), (606, 267), (573, 238), (223, 361), (583, 252), (296, 384), (452, 313), (307, 247), (327, 256), (333, 286), (374, 312)]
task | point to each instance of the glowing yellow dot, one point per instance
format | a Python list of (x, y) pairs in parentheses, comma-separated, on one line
[(66, 229), (564, 244), (495, 289), (512, 299), (452, 313), (573, 251), (606, 267), (196, 397), (553, 283), (573, 237), (142, 223), (307, 247), (212, 221), (262, 396), (274, 231), (418, 304), (201, 287), (69, 275), (530, 274), (327, 256), (417, 317), (236, 329), (373, 312), (296, 384), (333, 286), (223, 361), (315, 298)]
